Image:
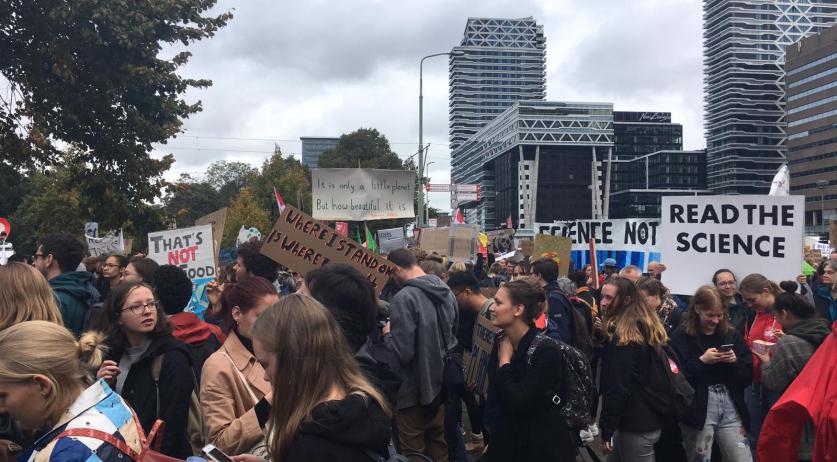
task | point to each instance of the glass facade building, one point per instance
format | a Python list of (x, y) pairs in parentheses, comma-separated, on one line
[(743, 56), (313, 148), (498, 62), (637, 134)]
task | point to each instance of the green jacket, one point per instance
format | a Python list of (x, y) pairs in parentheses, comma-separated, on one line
[(76, 294)]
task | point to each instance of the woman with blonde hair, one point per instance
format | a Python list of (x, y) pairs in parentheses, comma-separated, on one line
[(328, 410), (25, 295), (46, 385), (630, 425), (718, 364)]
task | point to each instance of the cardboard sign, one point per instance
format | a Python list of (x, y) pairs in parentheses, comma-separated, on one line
[(301, 243), (476, 363), (391, 239), (554, 247), (630, 241), (463, 243), (435, 240), (747, 234), (110, 244), (356, 194), (527, 248), (218, 219)]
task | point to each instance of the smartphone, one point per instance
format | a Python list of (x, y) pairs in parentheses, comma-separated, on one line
[(215, 455), (725, 348)]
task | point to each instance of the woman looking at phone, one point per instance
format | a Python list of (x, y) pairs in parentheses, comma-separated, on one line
[(718, 364)]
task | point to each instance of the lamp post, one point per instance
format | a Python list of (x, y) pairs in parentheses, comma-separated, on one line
[(821, 185), (421, 136)]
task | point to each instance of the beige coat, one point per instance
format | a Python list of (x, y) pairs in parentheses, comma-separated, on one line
[(227, 404)]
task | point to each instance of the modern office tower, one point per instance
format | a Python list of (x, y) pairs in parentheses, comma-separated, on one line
[(636, 134), (744, 55), (811, 82), (499, 61), (314, 147), (537, 162)]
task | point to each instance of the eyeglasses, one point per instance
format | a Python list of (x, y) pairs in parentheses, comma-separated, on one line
[(726, 283), (139, 308), (109, 265)]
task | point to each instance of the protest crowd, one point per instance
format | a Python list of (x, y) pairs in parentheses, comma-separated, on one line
[(101, 359)]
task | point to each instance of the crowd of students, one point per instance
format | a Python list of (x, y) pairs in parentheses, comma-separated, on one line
[(96, 352)]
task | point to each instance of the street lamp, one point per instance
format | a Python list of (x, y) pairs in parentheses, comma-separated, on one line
[(421, 135), (821, 185)]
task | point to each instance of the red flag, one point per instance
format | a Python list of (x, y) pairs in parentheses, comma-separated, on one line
[(279, 200), (812, 396), (458, 217), (509, 222), (341, 228)]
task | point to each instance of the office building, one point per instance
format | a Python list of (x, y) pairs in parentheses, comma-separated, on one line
[(314, 147), (811, 82), (538, 161), (647, 178), (744, 54), (636, 134), (498, 62)]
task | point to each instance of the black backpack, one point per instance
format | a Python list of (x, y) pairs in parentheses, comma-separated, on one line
[(664, 387), (578, 391), (581, 339)]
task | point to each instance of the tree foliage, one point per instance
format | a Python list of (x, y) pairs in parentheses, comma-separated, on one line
[(245, 211), (89, 73), (365, 147), (289, 177), (189, 200), (228, 178)]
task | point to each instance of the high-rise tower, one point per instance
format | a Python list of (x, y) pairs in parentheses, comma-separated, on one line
[(743, 54)]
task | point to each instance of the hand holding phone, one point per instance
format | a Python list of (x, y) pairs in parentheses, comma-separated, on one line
[(215, 455), (725, 348)]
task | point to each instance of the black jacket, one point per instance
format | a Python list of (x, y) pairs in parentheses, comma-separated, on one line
[(527, 425), (739, 314), (739, 375), (340, 431), (623, 407), (176, 386)]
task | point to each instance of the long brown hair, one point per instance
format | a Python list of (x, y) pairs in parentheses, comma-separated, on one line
[(112, 309), (756, 283), (26, 296), (527, 292), (705, 298), (312, 356), (630, 319)]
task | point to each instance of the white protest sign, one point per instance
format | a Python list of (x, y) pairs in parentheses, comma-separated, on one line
[(110, 244), (354, 194), (391, 239), (91, 229), (189, 248), (746, 234)]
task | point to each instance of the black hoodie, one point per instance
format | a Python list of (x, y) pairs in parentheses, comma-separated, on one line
[(342, 431)]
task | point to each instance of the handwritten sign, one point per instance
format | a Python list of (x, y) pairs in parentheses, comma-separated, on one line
[(107, 245), (554, 247), (218, 219), (191, 249), (362, 194), (391, 239), (302, 243), (476, 362)]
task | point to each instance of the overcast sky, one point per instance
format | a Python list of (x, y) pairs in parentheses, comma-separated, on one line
[(282, 70)]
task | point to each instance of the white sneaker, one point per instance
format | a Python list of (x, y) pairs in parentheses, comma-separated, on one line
[(594, 429)]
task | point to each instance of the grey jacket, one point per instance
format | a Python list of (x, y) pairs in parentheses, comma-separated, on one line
[(415, 338)]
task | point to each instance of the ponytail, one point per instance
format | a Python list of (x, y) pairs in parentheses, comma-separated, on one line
[(91, 348), (527, 292), (756, 283)]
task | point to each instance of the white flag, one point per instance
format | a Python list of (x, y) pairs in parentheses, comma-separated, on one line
[(781, 182)]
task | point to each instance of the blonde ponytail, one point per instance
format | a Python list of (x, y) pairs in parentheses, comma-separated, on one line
[(91, 348)]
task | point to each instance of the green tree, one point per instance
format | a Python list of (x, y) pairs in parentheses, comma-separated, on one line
[(228, 178), (245, 211), (365, 147), (90, 73), (189, 200), (289, 177)]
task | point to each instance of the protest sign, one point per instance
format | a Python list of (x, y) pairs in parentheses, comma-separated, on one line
[(341, 228), (91, 229), (302, 243), (476, 363), (554, 247), (630, 241), (356, 194), (527, 247), (747, 234), (435, 240), (463, 243), (5, 227), (391, 239), (501, 241), (193, 250), (218, 219), (111, 243)]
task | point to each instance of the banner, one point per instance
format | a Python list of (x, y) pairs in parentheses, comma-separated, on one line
[(301, 243), (630, 241), (355, 194), (746, 234), (476, 361), (458, 242), (554, 247), (91, 229), (192, 250), (391, 239), (218, 219), (110, 244)]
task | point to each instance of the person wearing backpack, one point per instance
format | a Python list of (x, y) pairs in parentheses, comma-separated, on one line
[(140, 345), (629, 423), (559, 311), (525, 382), (57, 258), (718, 364)]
